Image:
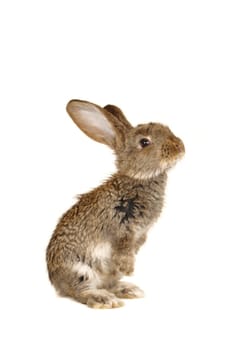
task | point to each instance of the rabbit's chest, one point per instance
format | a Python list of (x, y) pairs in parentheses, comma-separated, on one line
[(134, 216), (128, 209), (137, 213)]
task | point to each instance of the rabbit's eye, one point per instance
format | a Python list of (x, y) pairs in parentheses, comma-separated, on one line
[(144, 142)]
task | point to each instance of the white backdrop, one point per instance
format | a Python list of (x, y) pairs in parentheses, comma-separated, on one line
[(166, 61)]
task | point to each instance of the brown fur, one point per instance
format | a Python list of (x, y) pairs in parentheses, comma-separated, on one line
[(95, 242)]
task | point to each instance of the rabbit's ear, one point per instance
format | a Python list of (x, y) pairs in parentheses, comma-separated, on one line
[(94, 121), (117, 112)]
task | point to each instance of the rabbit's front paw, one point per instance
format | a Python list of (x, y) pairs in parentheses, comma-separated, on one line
[(127, 290), (126, 265), (127, 270)]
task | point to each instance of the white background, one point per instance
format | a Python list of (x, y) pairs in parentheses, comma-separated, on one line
[(167, 61)]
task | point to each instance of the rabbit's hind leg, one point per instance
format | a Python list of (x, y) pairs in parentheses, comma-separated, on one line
[(100, 299), (85, 286)]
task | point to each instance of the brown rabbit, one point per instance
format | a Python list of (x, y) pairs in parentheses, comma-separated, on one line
[(95, 242)]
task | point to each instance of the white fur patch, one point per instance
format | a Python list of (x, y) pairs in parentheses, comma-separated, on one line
[(84, 270), (102, 251), (148, 175), (101, 255), (163, 166)]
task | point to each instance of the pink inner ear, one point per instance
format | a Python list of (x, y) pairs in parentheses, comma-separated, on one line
[(92, 120)]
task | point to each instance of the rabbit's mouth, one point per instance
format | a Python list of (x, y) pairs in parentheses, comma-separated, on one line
[(170, 163)]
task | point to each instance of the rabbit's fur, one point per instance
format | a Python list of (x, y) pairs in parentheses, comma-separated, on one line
[(95, 242)]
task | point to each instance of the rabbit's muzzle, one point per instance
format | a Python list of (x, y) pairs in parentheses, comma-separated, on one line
[(173, 149)]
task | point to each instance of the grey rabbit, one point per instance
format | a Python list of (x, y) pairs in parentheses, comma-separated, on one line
[(95, 242)]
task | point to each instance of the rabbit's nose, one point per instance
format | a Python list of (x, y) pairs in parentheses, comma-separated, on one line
[(179, 145)]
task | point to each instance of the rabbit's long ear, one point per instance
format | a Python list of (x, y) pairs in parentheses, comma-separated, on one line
[(94, 121), (117, 112)]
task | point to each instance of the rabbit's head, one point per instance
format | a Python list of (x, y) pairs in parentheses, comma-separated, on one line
[(142, 152)]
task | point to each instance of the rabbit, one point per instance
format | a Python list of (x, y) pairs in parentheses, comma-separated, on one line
[(95, 242)]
